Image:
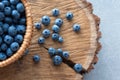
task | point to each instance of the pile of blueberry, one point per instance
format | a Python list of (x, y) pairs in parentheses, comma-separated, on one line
[(12, 27), (57, 55)]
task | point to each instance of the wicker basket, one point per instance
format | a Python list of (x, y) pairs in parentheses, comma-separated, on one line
[(27, 38)]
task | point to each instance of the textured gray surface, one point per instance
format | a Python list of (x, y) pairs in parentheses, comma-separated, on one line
[(108, 66)]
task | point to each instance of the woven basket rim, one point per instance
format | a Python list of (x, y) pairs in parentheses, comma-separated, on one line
[(27, 37)]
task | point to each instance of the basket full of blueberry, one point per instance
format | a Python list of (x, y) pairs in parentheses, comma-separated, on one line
[(15, 30)]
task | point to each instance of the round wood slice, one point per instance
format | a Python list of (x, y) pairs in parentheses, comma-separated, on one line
[(82, 46)]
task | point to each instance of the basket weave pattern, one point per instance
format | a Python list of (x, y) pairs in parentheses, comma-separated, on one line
[(27, 37)]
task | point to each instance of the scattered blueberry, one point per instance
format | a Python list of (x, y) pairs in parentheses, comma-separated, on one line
[(41, 40), (59, 22), (52, 51), (77, 67), (60, 39), (69, 15), (76, 27), (55, 12), (59, 51), (46, 33), (55, 36), (46, 20), (55, 28), (36, 58), (37, 25), (57, 60), (65, 54)]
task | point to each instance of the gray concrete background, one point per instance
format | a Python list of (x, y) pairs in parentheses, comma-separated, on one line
[(108, 66)]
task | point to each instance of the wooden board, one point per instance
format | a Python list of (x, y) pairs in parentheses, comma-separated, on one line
[(82, 46)]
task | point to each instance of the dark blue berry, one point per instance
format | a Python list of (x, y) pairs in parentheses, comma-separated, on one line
[(41, 40), (77, 67), (12, 31), (22, 21), (59, 22), (1, 40), (69, 15), (1, 24), (55, 12), (4, 47), (6, 2), (52, 51), (15, 14), (57, 60), (2, 16), (21, 29), (8, 39), (19, 38), (36, 58), (55, 28), (1, 31), (60, 39), (2, 56), (46, 20), (1, 6), (76, 27), (5, 27), (37, 25), (14, 46), (59, 51), (20, 7), (14, 2), (55, 36), (9, 52), (8, 20), (7, 10), (46, 33), (65, 54)]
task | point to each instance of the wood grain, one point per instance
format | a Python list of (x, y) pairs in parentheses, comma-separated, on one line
[(82, 46)]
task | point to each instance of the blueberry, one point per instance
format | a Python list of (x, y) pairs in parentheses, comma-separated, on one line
[(7, 11), (1, 24), (77, 67), (55, 12), (8, 39), (15, 21), (15, 14), (76, 27), (60, 39), (1, 31), (5, 27), (22, 21), (65, 54), (57, 60), (55, 36), (1, 40), (41, 40), (8, 20), (46, 20), (12, 31), (6, 2), (59, 51), (19, 38), (14, 2), (9, 52), (69, 15), (46, 33), (26, 52), (20, 7), (2, 56), (59, 22), (1, 6), (36, 58), (52, 51), (2, 16), (13, 7), (37, 25), (55, 28), (4, 47), (21, 29), (14, 46)]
